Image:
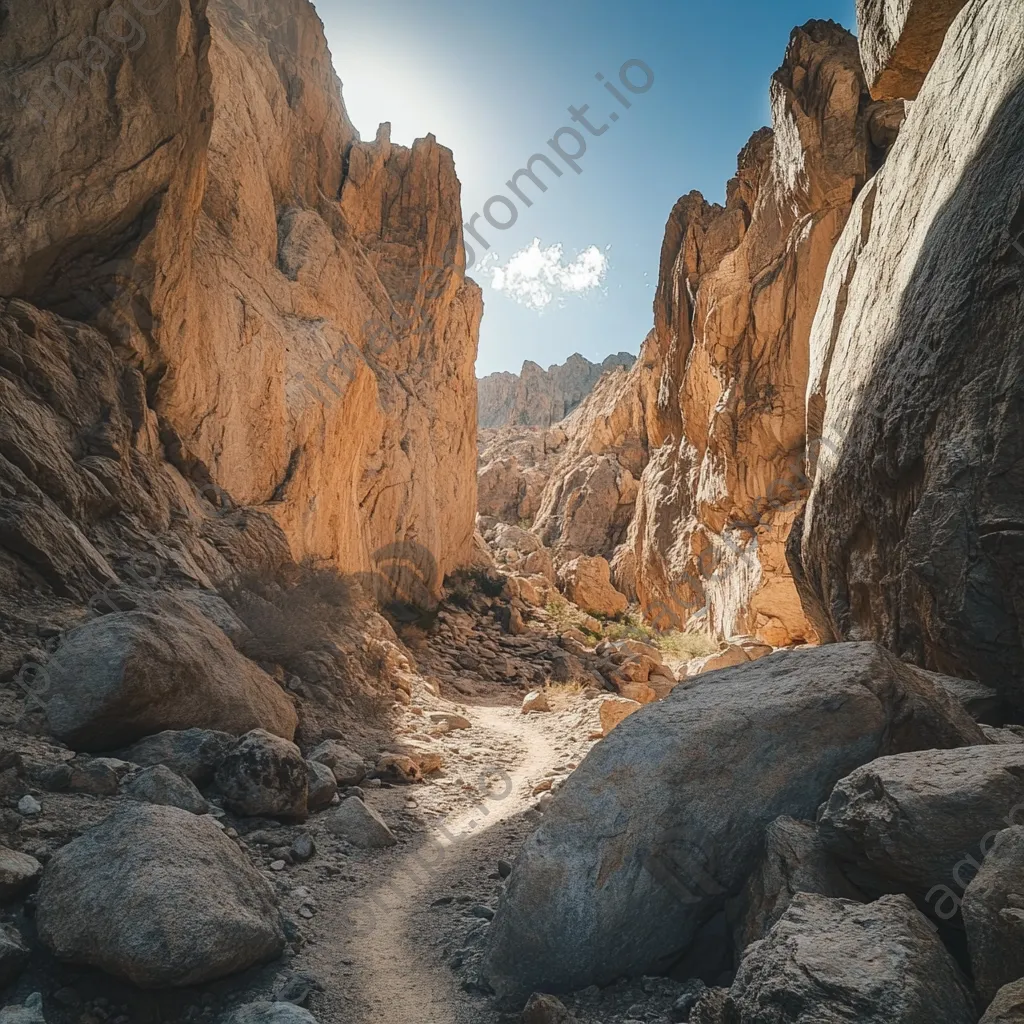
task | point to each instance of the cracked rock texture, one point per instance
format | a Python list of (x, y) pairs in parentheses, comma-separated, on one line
[(295, 299)]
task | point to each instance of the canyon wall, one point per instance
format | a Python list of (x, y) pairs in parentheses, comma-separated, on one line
[(914, 530), (540, 398), (187, 179)]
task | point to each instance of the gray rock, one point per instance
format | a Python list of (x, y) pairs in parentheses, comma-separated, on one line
[(159, 785), (834, 961), (31, 1012), (347, 765), (269, 1013), (795, 860), (918, 820), (264, 776), (666, 817), (687, 1000), (899, 41), (29, 806), (323, 787), (912, 533), (160, 897), (13, 955), (545, 1009), (360, 825), (710, 1007), (97, 776), (193, 754), (18, 871), (124, 676), (1008, 1005), (993, 912)]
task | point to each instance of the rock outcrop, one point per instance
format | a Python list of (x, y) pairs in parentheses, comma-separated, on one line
[(666, 817), (899, 41), (541, 398), (515, 465), (913, 530), (293, 299)]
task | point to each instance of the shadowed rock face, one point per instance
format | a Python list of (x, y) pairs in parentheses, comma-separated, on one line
[(914, 530), (294, 298), (538, 397), (899, 41)]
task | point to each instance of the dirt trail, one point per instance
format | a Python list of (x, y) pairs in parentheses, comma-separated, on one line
[(382, 946)]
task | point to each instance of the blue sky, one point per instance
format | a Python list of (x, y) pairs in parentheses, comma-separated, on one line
[(494, 83)]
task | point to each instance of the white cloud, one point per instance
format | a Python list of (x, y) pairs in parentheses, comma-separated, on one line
[(535, 277)]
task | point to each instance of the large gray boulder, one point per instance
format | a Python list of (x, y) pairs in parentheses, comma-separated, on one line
[(920, 821), (160, 897), (159, 785), (193, 754), (264, 775), (666, 817), (834, 962), (1008, 1005), (899, 41), (912, 534), (993, 910), (124, 676), (360, 825), (795, 859)]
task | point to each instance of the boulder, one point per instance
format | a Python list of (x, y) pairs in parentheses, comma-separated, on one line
[(535, 700), (31, 1012), (14, 955), (347, 765), (834, 961), (911, 535), (269, 1013), (899, 41), (322, 786), (545, 1009), (264, 776), (362, 826), (127, 675), (918, 820), (587, 583), (614, 710), (18, 872), (795, 860), (160, 897), (593, 898), (1008, 1005), (193, 754), (159, 785), (993, 912)]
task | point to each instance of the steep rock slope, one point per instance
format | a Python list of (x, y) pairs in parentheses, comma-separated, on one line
[(537, 397), (713, 411), (913, 531), (294, 298)]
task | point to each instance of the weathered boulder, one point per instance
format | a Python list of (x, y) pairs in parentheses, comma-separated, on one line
[(795, 859), (160, 897), (124, 676), (993, 910), (911, 535), (919, 819), (1008, 1005), (362, 826), (31, 1012), (264, 776), (587, 583), (834, 961), (193, 754), (666, 817), (322, 786), (545, 1009), (899, 41), (18, 872), (348, 767), (269, 1013), (159, 785)]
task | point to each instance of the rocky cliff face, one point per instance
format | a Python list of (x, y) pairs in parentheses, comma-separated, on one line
[(538, 397), (294, 299), (913, 531)]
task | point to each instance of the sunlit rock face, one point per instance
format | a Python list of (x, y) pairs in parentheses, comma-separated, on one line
[(914, 531), (295, 298), (537, 397), (738, 291)]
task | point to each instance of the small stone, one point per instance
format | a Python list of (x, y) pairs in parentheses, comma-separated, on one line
[(545, 1009), (504, 868), (360, 825), (29, 806), (278, 865), (543, 786), (303, 848), (323, 787), (17, 873), (534, 701), (482, 912)]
